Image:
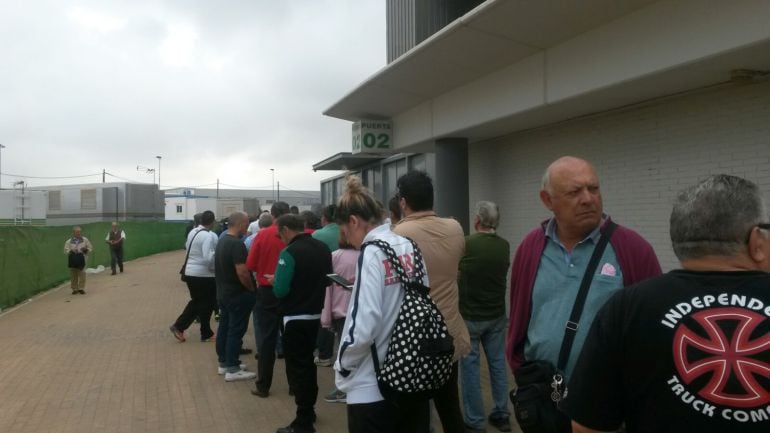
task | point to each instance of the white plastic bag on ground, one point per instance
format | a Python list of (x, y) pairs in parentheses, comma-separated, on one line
[(96, 270)]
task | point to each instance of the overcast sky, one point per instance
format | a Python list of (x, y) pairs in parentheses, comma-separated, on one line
[(222, 90)]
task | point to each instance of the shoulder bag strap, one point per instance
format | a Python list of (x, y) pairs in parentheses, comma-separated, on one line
[(186, 257), (577, 310), (395, 264), (419, 263)]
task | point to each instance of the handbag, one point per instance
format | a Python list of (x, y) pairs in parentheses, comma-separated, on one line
[(76, 260), (539, 384), (182, 276)]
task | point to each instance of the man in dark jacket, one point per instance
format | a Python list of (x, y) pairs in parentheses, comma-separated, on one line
[(300, 285)]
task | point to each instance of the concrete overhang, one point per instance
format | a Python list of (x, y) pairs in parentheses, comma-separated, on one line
[(494, 34), (347, 161), (512, 65)]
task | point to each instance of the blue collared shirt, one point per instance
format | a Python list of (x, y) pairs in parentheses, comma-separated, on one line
[(556, 285)]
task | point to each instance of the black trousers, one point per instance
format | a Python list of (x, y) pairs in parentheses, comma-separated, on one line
[(203, 301), (325, 343), (116, 256), (447, 401), (299, 338), (403, 414), (269, 321)]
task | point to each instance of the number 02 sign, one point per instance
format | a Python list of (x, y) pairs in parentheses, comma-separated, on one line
[(372, 136)]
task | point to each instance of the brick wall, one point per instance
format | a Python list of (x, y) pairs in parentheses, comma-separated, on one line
[(644, 155)]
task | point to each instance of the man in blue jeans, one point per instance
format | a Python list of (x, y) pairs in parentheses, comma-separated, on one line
[(235, 295), (482, 284)]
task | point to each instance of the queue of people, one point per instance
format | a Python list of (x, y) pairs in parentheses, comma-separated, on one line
[(590, 318)]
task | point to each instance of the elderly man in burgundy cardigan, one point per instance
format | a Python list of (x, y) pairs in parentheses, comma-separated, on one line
[(550, 262)]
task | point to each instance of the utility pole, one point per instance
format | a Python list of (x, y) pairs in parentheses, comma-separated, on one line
[(1, 166), (278, 197), (159, 158), (272, 170), (104, 172), (217, 188)]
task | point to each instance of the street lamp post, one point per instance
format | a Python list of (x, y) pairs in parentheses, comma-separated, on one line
[(159, 158), (272, 170), (1, 165)]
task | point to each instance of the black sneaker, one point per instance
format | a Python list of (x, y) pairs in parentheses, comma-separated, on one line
[(501, 423), (260, 393)]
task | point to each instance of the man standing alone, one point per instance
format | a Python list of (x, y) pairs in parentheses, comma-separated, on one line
[(235, 295), (77, 248), (483, 271), (115, 239), (300, 285)]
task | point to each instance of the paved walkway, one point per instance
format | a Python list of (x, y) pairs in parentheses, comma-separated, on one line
[(106, 362)]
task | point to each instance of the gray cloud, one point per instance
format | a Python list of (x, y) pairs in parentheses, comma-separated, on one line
[(220, 90)]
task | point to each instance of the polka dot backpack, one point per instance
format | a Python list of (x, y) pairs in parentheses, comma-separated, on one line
[(419, 355)]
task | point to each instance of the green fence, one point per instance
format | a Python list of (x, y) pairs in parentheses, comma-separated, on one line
[(32, 259)]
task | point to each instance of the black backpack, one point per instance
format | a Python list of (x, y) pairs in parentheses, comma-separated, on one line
[(419, 355)]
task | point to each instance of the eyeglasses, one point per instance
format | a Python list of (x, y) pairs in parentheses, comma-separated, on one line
[(761, 226)]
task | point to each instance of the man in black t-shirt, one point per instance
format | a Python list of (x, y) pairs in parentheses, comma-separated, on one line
[(688, 351), (235, 295)]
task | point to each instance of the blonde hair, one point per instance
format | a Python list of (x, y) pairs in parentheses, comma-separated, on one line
[(358, 200)]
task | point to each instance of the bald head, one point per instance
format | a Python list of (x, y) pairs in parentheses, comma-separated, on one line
[(571, 192), (565, 166), (238, 218), (238, 223)]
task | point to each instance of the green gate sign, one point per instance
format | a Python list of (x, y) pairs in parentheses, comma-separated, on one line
[(373, 136)]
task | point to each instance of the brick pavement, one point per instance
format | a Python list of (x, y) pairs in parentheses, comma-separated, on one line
[(106, 363)]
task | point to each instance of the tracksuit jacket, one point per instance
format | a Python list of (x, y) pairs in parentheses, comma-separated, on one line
[(372, 313)]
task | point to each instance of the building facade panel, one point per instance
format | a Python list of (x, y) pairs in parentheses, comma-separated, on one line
[(684, 31), (84, 203), (644, 155), (379, 177)]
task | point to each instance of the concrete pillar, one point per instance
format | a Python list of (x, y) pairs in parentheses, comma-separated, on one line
[(451, 180)]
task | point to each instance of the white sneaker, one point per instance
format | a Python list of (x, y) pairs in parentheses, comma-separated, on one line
[(240, 375), (223, 370)]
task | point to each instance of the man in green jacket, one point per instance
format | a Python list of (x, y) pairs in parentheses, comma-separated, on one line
[(482, 283), (300, 285)]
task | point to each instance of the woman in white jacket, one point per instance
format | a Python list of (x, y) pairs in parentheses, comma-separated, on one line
[(372, 313)]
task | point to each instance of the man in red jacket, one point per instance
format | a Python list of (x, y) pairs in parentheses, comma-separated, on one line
[(550, 262), (262, 260)]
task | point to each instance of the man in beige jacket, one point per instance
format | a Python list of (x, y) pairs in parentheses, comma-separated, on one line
[(442, 243), (77, 248)]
